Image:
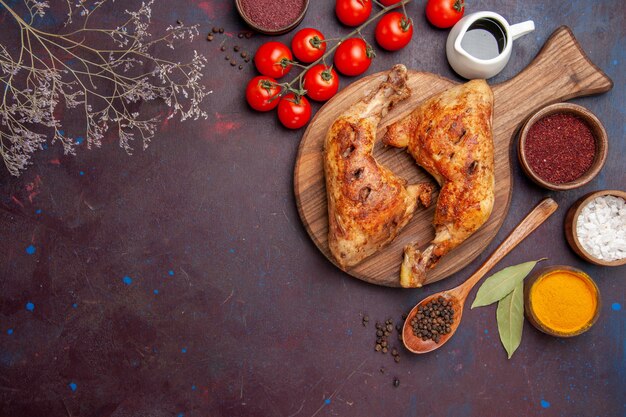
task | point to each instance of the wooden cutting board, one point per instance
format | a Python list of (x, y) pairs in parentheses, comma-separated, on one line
[(560, 71)]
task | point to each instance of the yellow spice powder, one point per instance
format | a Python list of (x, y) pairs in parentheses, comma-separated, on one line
[(563, 301)]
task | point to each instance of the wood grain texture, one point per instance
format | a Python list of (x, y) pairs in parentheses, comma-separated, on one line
[(559, 72)]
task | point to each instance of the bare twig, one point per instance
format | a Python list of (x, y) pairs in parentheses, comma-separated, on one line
[(101, 72)]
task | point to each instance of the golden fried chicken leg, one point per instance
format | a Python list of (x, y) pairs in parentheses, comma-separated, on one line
[(450, 136), (368, 204)]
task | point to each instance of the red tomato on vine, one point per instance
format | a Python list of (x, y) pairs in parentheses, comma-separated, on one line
[(262, 93), (394, 31), (308, 45), (353, 12), (353, 57), (444, 13), (273, 59), (294, 111), (321, 82)]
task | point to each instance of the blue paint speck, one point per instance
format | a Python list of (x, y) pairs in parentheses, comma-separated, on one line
[(61, 132), (74, 305), (127, 280), (155, 291), (9, 332), (181, 415), (193, 387), (38, 211), (31, 250), (81, 173), (72, 386), (45, 146), (486, 331), (616, 306), (615, 62), (30, 306), (79, 140), (231, 250), (327, 401), (545, 404), (184, 350), (170, 273)]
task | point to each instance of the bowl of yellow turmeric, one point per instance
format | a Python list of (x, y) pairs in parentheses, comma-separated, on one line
[(561, 301)]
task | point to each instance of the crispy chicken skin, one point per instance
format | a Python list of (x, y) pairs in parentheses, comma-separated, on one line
[(368, 205), (450, 136)]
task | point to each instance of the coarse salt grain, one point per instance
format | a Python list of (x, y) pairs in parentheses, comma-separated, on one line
[(601, 228)]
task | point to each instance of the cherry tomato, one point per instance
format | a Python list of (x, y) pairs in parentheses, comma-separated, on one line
[(308, 45), (273, 59), (353, 57), (444, 13), (394, 31), (389, 2), (321, 82), (353, 12), (294, 112), (262, 93)]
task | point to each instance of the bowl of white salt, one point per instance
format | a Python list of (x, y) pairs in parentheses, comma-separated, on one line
[(595, 227)]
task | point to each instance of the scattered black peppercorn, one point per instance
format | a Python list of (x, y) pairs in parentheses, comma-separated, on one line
[(233, 63), (221, 30), (247, 59), (236, 48), (248, 35), (215, 29), (222, 48), (227, 58), (396, 382), (178, 22), (240, 35), (240, 67), (209, 37), (245, 55)]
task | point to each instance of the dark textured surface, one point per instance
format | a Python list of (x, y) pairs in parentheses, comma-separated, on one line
[(250, 319)]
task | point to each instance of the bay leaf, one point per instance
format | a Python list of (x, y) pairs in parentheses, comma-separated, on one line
[(497, 286), (510, 317)]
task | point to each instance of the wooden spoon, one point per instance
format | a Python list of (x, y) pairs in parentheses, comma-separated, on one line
[(458, 295)]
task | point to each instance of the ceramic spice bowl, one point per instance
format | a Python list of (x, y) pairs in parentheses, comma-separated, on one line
[(561, 301), (271, 17), (571, 227), (562, 143)]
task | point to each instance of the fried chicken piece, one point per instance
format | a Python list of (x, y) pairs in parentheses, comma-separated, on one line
[(368, 204), (450, 136)]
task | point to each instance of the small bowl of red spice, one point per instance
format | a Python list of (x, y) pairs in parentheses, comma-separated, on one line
[(272, 17), (563, 146)]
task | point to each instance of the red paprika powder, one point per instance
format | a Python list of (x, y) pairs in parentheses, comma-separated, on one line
[(560, 148), (273, 15)]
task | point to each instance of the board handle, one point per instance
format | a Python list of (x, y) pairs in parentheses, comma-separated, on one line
[(560, 71)]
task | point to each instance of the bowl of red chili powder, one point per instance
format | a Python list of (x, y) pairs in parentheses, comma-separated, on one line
[(562, 146), (272, 17)]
